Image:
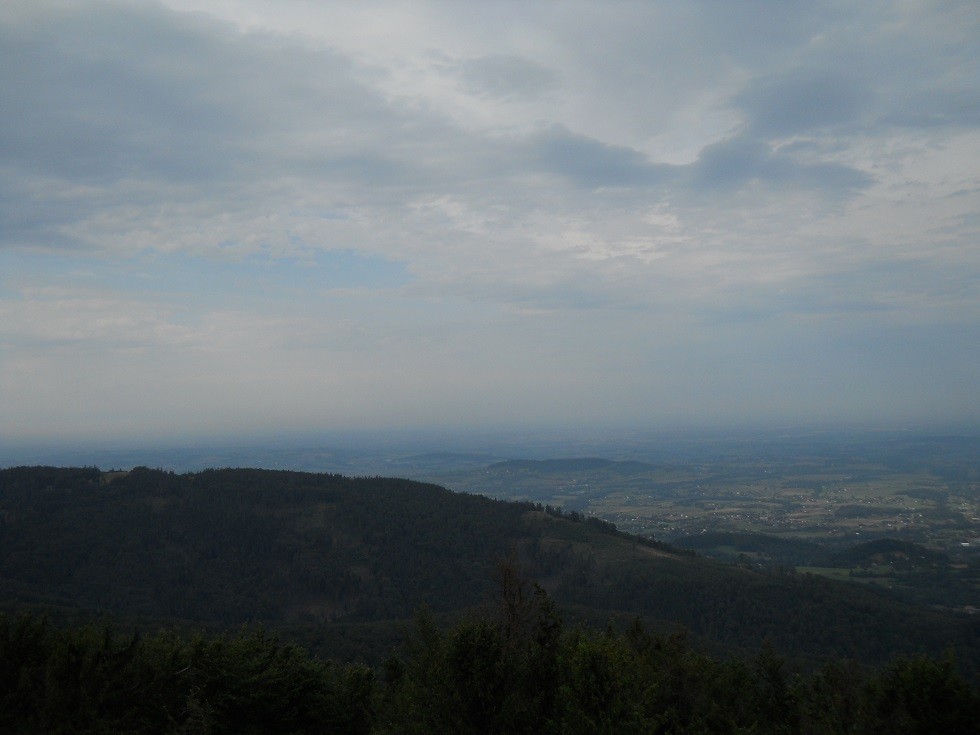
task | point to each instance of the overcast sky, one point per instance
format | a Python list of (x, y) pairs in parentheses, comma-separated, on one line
[(232, 217)]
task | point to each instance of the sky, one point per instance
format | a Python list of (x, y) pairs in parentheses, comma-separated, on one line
[(241, 217)]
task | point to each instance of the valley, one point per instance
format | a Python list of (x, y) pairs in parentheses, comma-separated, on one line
[(781, 504)]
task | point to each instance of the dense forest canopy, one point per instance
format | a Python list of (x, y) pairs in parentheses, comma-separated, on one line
[(328, 558), (515, 669)]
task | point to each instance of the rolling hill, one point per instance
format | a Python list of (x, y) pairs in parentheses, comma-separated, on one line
[(340, 562)]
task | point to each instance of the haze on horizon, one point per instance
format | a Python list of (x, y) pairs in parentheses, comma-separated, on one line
[(243, 217)]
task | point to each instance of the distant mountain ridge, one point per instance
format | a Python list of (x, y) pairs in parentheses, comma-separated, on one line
[(574, 464)]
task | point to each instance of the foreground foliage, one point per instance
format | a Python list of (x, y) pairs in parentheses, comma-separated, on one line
[(514, 670)]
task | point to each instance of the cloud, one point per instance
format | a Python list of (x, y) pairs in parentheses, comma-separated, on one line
[(590, 163), (741, 160), (103, 92), (57, 318), (128, 110), (938, 108), (502, 76), (802, 101), (557, 210)]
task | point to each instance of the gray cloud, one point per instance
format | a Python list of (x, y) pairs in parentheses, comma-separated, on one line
[(506, 77), (710, 202), (122, 105), (802, 101), (741, 159), (102, 92), (937, 108), (591, 163)]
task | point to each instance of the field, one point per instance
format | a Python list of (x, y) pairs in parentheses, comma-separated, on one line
[(796, 500), (790, 504), (808, 502)]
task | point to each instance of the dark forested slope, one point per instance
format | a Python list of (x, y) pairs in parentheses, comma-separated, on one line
[(224, 547), (236, 545)]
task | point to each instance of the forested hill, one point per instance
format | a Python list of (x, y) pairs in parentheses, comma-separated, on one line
[(293, 549)]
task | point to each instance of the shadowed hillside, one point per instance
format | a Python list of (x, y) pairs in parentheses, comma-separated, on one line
[(322, 553)]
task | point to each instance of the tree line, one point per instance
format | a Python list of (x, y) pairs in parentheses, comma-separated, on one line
[(338, 563), (516, 670)]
